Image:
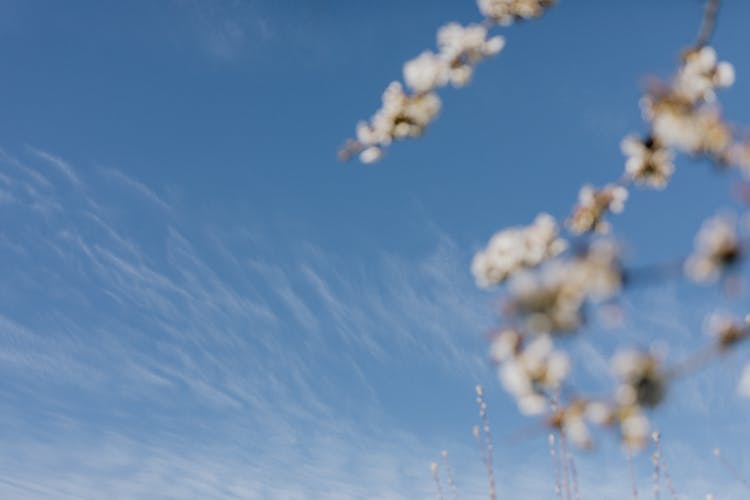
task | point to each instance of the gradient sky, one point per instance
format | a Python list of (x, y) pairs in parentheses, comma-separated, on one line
[(199, 301)]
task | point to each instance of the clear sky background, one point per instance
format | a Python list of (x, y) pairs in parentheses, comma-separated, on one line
[(198, 301)]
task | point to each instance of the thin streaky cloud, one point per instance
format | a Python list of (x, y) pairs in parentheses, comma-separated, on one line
[(136, 186), (61, 165)]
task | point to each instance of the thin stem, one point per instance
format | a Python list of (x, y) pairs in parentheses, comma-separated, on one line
[(632, 475), (436, 477), (574, 476), (564, 461), (487, 441), (664, 468), (449, 472), (654, 273), (732, 470), (655, 459), (694, 362), (558, 489)]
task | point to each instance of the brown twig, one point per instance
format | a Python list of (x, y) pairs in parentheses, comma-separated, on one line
[(708, 26), (731, 468)]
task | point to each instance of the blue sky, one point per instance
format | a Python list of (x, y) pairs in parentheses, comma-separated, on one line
[(199, 300)]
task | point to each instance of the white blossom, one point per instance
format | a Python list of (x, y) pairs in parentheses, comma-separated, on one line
[(505, 344), (635, 429), (506, 11), (598, 272), (694, 132), (648, 162), (572, 422), (401, 115), (371, 154), (599, 413), (683, 115), (426, 72), (532, 369), (463, 47), (726, 330), (701, 74), (551, 300), (593, 205), (517, 248), (548, 301), (717, 246), (642, 381)]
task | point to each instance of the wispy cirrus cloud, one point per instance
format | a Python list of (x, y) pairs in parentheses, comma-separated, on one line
[(228, 29), (61, 165), (162, 341), (201, 362)]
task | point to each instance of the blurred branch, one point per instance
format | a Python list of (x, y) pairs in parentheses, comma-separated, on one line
[(709, 23)]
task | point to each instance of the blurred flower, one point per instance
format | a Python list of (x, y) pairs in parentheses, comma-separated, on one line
[(648, 162), (506, 11), (505, 344), (530, 369), (739, 154), (401, 115), (634, 427), (426, 72), (598, 271), (461, 49), (679, 112), (405, 115), (548, 301), (695, 132), (371, 154), (593, 205), (517, 248), (573, 424), (701, 74), (642, 380), (726, 330), (717, 247), (599, 413), (744, 386), (551, 300), (573, 420), (464, 47)]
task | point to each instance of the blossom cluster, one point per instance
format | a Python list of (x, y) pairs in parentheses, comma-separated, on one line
[(684, 114), (461, 49), (727, 331), (548, 287), (542, 304), (529, 368), (593, 205), (407, 112), (550, 283), (649, 163), (401, 115), (717, 248), (506, 11), (642, 383), (552, 299), (517, 248)]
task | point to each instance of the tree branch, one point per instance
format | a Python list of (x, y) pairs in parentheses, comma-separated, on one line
[(709, 23)]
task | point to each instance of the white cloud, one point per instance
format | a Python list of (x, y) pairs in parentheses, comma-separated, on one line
[(188, 366)]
